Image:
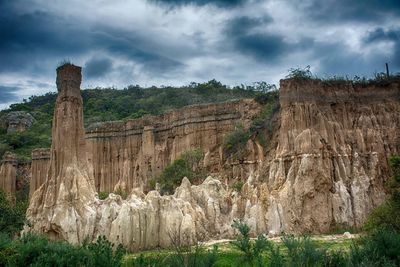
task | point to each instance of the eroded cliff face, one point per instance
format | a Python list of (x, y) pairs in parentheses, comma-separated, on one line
[(8, 174), (39, 168), (126, 155), (330, 162), (326, 164)]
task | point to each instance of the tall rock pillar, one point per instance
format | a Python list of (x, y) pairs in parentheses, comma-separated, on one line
[(8, 174), (61, 208)]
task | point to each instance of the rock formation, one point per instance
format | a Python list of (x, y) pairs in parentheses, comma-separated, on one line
[(62, 206), (8, 173), (17, 121), (325, 165), (127, 154), (39, 168)]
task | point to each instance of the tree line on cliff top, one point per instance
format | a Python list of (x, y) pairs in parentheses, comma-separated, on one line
[(110, 104)]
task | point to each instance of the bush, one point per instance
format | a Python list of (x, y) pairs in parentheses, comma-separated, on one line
[(103, 195), (33, 250), (252, 250), (381, 248), (388, 214), (12, 216), (302, 251), (300, 73), (235, 141), (187, 165), (238, 186)]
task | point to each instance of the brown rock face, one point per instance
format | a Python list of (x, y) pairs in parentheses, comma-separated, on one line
[(127, 154), (8, 173), (61, 206), (39, 168), (330, 163)]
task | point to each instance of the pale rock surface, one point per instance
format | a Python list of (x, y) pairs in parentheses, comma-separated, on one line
[(17, 121), (39, 168)]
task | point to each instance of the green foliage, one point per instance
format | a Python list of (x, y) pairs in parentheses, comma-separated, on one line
[(300, 73), (103, 195), (238, 186), (235, 141), (380, 248), (188, 165), (388, 214), (32, 250), (302, 251), (252, 250), (12, 216)]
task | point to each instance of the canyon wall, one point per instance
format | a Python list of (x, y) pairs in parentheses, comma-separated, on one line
[(127, 154), (324, 166), (330, 161)]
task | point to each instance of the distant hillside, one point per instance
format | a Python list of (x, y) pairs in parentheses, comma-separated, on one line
[(106, 104)]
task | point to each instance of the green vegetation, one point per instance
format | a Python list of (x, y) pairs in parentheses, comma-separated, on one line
[(388, 214), (33, 250), (380, 78), (260, 128), (238, 186), (109, 104), (188, 165), (103, 195), (12, 215)]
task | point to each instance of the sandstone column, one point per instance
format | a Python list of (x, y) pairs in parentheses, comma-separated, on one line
[(61, 208), (39, 168), (8, 173)]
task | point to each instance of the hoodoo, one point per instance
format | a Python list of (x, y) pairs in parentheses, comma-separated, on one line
[(61, 206)]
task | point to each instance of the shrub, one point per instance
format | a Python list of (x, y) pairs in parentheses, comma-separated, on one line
[(238, 186), (381, 248), (12, 216), (103, 195), (187, 165), (302, 251), (300, 73), (235, 141), (252, 251), (388, 214)]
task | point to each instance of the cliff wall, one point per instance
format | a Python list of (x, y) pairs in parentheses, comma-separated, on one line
[(330, 162), (127, 154)]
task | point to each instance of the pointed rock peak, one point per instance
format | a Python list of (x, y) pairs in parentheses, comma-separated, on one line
[(185, 182)]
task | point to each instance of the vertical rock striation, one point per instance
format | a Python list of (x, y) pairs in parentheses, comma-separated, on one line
[(62, 206), (8, 173), (39, 168)]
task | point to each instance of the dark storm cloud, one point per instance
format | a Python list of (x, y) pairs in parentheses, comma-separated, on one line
[(219, 3), (97, 67), (386, 35), (248, 37), (339, 11), (28, 37), (8, 94)]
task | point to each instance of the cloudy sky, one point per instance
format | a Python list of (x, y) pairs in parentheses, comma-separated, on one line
[(174, 42)]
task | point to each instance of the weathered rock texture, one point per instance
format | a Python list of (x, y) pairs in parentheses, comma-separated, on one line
[(326, 164), (329, 164), (17, 121), (63, 206), (39, 168), (8, 173), (127, 154)]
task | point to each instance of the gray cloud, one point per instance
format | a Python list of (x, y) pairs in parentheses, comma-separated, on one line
[(8, 94), (174, 42), (97, 67)]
